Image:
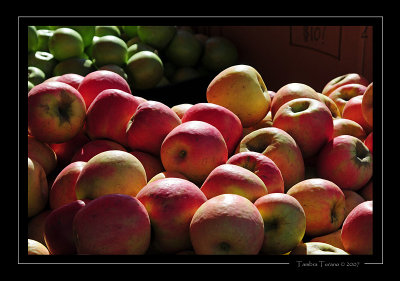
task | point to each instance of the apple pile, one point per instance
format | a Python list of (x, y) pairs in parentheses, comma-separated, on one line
[(146, 56), (249, 172)]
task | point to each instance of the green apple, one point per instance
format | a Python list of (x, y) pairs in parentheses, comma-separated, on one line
[(33, 39), (185, 73), (42, 60), (30, 85), (137, 47), (219, 53), (66, 43), (145, 70), (104, 30), (130, 31), (43, 39), (115, 68), (109, 49), (184, 49), (35, 75), (74, 65), (156, 36), (86, 31)]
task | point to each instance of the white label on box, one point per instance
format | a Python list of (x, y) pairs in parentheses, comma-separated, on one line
[(323, 39)]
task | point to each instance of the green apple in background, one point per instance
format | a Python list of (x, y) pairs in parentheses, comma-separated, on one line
[(130, 31), (184, 49), (48, 27), (137, 47), (115, 68), (185, 73), (145, 70), (169, 69), (35, 75), (109, 49), (104, 30), (156, 36), (33, 39), (44, 61), (219, 53), (79, 66), (89, 49), (86, 31), (43, 37), (66, 43), (30, 86)]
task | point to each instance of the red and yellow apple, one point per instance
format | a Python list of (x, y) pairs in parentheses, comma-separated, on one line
[(97, 81), (181, 108), (56, 112), (367, 105), (62, 190), (166, 174), (290, 92), (284, 222), (343, 126), (308, 121), (149, 126), (94, 147), (229, 178), (220, 117), (112, 171), (331, 105), (323, 203), (353, 111), (368, 141), (344, 93), (348, 78), (281, 148), (194, 149), (263, 167), (352, 199), (35, 248), (317, 248), (109, 115), (36, 226), (346, 161), (357, 230), (38, 191), (333, 238), (58, 233), (42, 153), (112, 224), (228, 224), (241, 89), (171, 204), (151, 164)]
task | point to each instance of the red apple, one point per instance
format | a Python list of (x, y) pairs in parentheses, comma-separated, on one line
[(152, 164), (344, 93), (346, 161), (58, 229), (42, 153), (229, 178), (324, 205), (263, 167), (228, 224), (194, 149), (353, 111), (149, 126), (357, 230), (171, 204), (290, 92), (112, 171), (56, 112), (367, 105), (281, 148), (343, 126), (221, 118), (94, 147), (109, 115), (38, 191), (308, 121), (367, 190), (284, 222), (349, 78), (368, 141), (113, 224), (97, 81), (331, 106), (62, 190)]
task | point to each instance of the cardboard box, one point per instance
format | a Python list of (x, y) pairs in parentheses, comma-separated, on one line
[(312, 55)]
